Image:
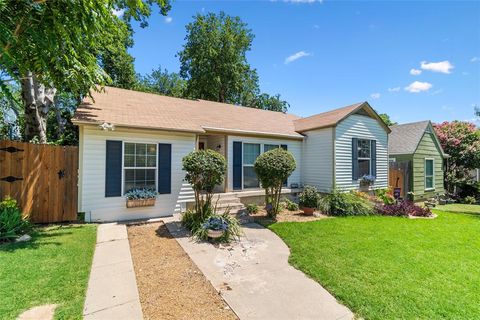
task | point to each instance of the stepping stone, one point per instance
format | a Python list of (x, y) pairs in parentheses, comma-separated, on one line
[(44, 312)]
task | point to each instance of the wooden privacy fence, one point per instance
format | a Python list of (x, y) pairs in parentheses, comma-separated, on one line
[(42, 178)]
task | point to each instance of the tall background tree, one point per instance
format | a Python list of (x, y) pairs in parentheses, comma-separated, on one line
[(163, 82), (66, 46), (386, 118), (214, 63), (461, 141)]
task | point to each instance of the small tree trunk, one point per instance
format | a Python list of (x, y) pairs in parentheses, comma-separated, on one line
[(37, 100)]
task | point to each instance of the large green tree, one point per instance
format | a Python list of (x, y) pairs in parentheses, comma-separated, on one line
[(214, 63), (163, 82), (57, 45)]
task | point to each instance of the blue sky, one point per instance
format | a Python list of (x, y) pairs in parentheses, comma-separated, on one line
[(412, 60)]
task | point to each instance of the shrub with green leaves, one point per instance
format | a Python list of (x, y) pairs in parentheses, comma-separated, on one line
[(385, 195), (12, 223), (204, 170), (252, 208), (470, 200), (273, 168), (309, 197), (290, 205), (339, 203)]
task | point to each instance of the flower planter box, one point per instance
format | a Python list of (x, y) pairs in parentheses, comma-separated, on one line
[(134, 203), (215, 234)]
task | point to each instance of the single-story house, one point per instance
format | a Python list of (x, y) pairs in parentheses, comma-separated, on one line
[(415, 151), (131, 139)]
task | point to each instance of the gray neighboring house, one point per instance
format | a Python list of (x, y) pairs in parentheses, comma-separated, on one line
[(415, 150)]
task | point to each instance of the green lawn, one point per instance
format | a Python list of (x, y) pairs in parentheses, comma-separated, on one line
[(53, 268), (393, 268), (464, 208)]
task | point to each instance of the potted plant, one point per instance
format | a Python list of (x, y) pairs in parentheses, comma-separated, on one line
[(309, 199), (215, 226), (366, 181), (140, 198)]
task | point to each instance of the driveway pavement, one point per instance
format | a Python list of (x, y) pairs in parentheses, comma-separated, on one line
[(255, 279)]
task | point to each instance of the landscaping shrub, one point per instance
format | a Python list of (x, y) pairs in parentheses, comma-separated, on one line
[(252, 208), (12, 224), (470, 200), (385, 196), (345, 204), (204, 170), (309, 197), (225, 222), (290, 205), (273, 168), (403, 209)]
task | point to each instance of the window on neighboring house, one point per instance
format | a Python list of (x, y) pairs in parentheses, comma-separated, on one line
[(139, 166), (268, 147), (364, 157), (250, 153), (429, 174)]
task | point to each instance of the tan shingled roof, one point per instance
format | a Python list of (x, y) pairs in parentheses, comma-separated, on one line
[(129, 108), (325, 119)]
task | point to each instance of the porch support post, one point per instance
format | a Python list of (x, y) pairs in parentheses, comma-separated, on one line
[(225, 150)]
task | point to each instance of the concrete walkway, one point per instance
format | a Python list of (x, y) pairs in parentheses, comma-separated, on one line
[(255, 279), (112, 288)]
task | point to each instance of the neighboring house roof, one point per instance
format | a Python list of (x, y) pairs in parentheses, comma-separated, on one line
[(404, 138), (128, 108), (333, 117)]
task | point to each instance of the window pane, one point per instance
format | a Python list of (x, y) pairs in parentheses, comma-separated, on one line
[(429, 167), (429, 182), (269, 147), (363, 148), (250, 179), (250, 152), (140, 148), (140, 161), (151, 161), (363, 167), (129, 148), (152, 149), (129, 175), (129, 186), (129, 160), (150, 174)]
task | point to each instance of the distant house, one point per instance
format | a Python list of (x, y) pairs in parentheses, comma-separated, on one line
[(131, 139), (415, 150)]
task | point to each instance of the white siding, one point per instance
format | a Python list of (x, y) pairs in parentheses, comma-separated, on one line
[(92, 198), (317, 166), (294, 146), (362, 127)]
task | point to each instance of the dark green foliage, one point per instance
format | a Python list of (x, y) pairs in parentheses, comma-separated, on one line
[(309, 197), (12, 224), (339, 203), (273, 168), (386, 118), (204, 170), (164, 83), (469, 200), (252, 208), (290, 205)]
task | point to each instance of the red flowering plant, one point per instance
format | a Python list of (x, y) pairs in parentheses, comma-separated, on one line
[(461, 141)]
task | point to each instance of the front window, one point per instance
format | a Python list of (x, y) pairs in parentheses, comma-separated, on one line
[(250, 153), (364, 157), (429, 169), (139, 166), (268, 147)]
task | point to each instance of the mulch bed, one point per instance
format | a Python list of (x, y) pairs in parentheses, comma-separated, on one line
[(170, 285), (286, 216)]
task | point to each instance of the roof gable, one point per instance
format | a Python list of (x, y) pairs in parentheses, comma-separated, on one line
[(333, 117)]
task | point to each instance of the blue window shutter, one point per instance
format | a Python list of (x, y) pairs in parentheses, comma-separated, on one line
[(164, 168), (355, 159), (113, 169), (284, 147), (374, 157), (237, 165)]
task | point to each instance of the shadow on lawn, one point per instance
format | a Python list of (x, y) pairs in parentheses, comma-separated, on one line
[(40, 237)]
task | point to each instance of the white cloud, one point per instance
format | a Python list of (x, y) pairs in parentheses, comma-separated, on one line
[(296, 56), (375, 95), (118, 13), (418, 86), (168, 19), (395, 89), (475, 59), (415, 72), (442, 66)]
